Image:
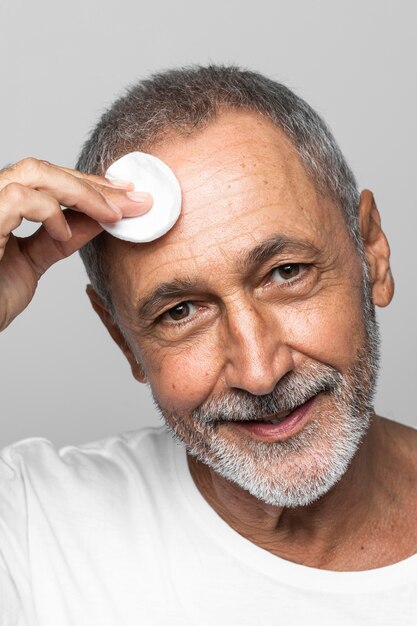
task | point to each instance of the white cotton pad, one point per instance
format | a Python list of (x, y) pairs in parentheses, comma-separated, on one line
[(147, 173)]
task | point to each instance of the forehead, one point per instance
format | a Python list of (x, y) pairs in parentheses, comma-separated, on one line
[(242, 181)]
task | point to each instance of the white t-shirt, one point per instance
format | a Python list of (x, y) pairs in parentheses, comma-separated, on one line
[(116, 533)]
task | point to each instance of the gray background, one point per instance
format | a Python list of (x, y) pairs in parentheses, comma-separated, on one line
[(63, 63)]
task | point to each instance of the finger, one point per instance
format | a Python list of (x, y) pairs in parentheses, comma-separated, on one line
[(103, 204), (42, 251), (95, 178), (142, 203), (18, 202)]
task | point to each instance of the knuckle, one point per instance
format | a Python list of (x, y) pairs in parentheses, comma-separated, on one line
[(14, 193), (30, 165)]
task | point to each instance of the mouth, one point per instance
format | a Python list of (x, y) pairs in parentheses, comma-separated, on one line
[(278, 427)]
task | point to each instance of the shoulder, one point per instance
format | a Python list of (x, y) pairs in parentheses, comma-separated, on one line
[(38, 481), (40, 454), (57, 499), (36, 464)]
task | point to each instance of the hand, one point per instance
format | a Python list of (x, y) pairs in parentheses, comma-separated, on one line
[(34, 190)]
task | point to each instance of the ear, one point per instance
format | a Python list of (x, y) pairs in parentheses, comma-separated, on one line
[(377, 250), (115, 333)]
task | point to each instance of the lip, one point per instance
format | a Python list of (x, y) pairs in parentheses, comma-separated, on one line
[(292, 424)]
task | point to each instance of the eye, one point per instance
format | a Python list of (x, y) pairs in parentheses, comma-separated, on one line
[(179, 312), (287, 272)]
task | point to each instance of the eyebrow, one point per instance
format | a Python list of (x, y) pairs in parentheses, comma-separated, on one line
[(167, 291), (277, 244), (180, 287)]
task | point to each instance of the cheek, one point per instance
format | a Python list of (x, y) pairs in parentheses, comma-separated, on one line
[(182, 378), (330, 330)]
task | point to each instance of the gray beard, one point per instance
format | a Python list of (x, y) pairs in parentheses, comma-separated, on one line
[(299, 470)]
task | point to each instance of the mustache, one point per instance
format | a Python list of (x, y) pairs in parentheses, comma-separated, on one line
[(294, 389)]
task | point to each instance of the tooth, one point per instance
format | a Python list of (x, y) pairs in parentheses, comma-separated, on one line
[(278, 419)]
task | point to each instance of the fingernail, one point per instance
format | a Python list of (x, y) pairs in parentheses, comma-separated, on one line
[(137, 196), (69, 231), (123, 184), (114, 207)]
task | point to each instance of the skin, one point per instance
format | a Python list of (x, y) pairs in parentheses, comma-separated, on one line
[(242, 183), (35, 190)]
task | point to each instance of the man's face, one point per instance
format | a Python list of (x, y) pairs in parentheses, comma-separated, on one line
[(251, 306)]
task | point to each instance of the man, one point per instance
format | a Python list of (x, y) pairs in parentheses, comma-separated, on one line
[(253, 322)]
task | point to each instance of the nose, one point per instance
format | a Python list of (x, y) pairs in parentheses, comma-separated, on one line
[(256, 356)]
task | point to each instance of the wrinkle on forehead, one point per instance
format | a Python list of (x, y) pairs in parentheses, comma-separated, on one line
[(242, 180)]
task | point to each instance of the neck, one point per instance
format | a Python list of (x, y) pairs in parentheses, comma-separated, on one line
[(322, 534)]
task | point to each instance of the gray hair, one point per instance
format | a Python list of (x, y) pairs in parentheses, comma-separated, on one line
[(187, 99)]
